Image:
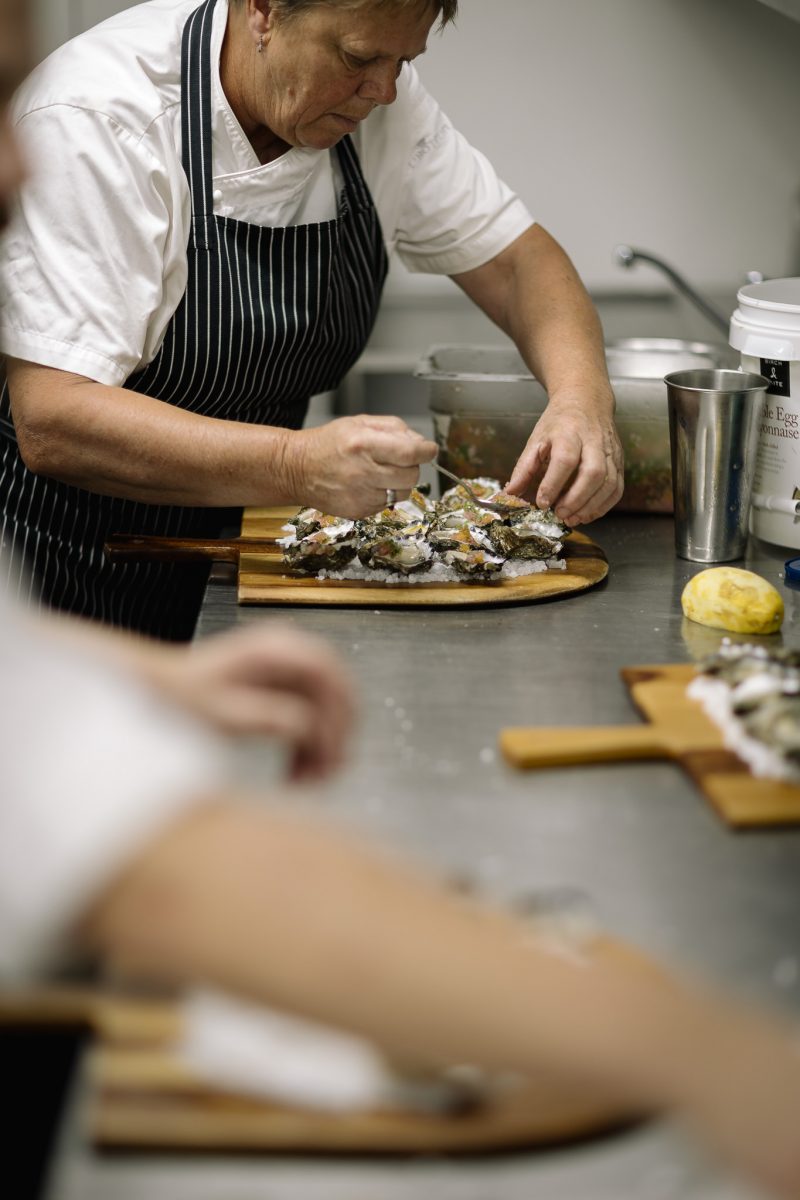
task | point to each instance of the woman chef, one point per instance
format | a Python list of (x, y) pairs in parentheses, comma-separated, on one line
[(204, 249)]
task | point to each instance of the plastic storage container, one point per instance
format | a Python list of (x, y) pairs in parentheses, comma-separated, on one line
[(485, 403), (765, 328)]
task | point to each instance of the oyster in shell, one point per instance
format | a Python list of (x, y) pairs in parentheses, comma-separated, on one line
[(776, 723), (387, 523), (402, 554), (531, 533), (309, 520), (458, 497), (457, 530), (477, 566), (735, 662), (327, 549)]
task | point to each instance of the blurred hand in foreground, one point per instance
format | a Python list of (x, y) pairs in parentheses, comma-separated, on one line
[(265, 679)]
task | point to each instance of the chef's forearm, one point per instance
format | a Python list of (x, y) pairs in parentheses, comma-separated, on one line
[(281, 911), (120, 443), (533, 292)]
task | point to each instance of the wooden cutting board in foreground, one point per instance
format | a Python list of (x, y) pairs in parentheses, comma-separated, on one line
[(141, 1097), (676, 728), (260, 584)]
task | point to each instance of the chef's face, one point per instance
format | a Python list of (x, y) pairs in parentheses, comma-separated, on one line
[(326, 67), (15, 62)]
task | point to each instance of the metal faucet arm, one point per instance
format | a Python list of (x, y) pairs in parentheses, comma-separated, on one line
[(627, 256)]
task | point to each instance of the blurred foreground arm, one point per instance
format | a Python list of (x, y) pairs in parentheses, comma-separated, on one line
[(573, 459), (279, 910)]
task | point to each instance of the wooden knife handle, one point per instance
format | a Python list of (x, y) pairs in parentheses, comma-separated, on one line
[(123, 547), (562, 747)]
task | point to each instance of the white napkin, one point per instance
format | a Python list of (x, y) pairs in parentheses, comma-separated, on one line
[(256, 1051)]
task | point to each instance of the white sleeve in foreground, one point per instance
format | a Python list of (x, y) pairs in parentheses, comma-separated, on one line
[(92, 768)]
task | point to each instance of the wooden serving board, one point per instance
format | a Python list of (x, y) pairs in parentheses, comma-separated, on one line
[(260, 581), (141, 1096), (676, 728)]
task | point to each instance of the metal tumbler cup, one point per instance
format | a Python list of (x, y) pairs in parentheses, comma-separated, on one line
[(714, 422)]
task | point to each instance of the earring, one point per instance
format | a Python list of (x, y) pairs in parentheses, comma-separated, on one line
[(260, 45)]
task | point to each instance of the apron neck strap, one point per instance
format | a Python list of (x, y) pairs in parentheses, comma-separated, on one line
[(196, 118)]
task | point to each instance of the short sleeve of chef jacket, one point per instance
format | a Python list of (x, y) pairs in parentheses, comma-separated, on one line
[(94, 263), (92, 769)]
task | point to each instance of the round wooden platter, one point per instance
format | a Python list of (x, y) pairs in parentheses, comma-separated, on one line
[(260, 582)]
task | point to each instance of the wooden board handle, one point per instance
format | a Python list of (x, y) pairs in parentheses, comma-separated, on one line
[(562, 747), (124, 547)]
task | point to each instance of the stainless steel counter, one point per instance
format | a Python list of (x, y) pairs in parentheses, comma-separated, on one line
[(656, 863)]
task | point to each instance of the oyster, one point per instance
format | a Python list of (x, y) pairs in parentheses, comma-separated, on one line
[(417, 505), (735, 662), (400, 554), (458, 497), (508, 502), (755, 689), (327, 549), (309, 520), (474, 565), (458, 530), (776, 723), (386, 523), (530, 533)]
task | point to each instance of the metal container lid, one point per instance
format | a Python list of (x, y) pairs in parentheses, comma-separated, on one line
[(766, 323), (779, 295)]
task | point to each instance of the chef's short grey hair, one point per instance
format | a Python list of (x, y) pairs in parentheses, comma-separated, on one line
[(445, 9)]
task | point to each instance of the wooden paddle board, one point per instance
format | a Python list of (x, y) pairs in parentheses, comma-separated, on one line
[(142, 1097), (260, 580), (676, 728)]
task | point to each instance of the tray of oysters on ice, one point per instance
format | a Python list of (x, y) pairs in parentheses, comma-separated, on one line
[(418, 551), (731, 722)]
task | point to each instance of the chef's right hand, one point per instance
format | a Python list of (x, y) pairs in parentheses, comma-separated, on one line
[(346, 466)]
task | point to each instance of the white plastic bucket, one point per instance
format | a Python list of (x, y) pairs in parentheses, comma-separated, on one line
[(765, 329)]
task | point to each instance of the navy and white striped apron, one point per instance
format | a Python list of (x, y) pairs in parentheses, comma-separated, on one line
[(270, 317)]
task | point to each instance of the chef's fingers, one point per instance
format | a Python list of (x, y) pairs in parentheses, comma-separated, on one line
[(590, 478), (304, 722), (399, 482), (529, 469), (599, 504), (401, 449), (564, 461), (294, 720), (243, 663), (395, 436), (313, 673), (597, 484)]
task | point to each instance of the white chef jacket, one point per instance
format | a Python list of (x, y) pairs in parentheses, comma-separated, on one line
[(95, 260), (92, 767)]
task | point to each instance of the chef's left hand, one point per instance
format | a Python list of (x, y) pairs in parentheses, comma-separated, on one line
[(268, 680), (573, 460)]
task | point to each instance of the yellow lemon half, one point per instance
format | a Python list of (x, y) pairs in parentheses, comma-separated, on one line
[(733, 599)]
